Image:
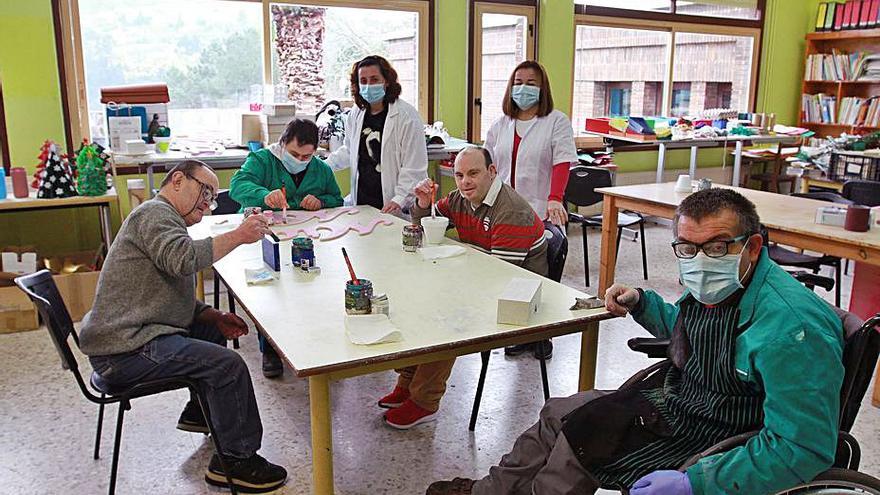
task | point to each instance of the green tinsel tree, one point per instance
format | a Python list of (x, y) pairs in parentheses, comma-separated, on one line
[(92, 179)]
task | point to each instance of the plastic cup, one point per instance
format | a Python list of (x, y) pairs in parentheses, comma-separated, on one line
[(162, 144), (683, 184), (435, 229)]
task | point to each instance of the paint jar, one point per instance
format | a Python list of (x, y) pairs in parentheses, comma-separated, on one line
[(412, 237), (302, 251), (252, 210), (19, 182), (379, 304), (357, 297)]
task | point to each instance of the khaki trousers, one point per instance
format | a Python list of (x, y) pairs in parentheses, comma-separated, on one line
[(426, 382)]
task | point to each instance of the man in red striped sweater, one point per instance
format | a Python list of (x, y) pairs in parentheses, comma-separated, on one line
[(492, 217)]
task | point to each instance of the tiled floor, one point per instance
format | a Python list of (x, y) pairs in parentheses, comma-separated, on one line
[(48, 427)]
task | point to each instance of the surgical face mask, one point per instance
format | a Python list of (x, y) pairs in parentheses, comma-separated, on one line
[(372, 92), (712, 280), (525, 96), (291, 164)]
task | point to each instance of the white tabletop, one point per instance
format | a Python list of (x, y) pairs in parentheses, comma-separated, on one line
[(439, 305)]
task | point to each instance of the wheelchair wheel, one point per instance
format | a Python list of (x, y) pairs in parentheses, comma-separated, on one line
[(836, 481)]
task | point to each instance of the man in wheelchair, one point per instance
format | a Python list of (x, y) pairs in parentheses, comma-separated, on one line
[(750, 349)]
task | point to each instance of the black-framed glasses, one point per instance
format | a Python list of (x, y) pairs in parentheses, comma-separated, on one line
[(208, 194), (712, 249)]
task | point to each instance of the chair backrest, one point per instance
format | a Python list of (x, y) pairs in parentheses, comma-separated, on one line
[(41, 289), (557, 250), (860, 353), (225, 204), (862, 192), (582, 183), (831, 197)]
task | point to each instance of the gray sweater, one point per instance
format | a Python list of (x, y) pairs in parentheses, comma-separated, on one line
[(147, 285)]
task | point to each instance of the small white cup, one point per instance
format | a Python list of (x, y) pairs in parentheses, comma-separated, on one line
[(683, 184), (435, 229)]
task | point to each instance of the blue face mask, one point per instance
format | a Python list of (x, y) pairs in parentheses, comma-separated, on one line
[(372, 92), (525, 96), (712, 280), (291, 164)]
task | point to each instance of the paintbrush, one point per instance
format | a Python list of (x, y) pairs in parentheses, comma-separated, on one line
[(434, 188), (354, 278), (284, 208)]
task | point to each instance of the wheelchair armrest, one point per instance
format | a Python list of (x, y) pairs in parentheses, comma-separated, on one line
[(654, 348), (722, 446), (813, 280)]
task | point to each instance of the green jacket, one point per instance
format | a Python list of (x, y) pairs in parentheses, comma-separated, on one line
[(262, 173), (791, 348)]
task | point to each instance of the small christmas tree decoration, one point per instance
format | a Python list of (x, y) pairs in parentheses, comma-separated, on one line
[(92, 180), (44, 155), (56, 180)]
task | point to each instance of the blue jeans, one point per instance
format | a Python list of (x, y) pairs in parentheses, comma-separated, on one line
[(221, 374)]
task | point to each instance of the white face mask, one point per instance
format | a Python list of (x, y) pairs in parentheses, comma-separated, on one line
[(712, 280), (291, 164)]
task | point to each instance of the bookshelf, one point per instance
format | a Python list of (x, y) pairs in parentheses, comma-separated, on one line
[(862, 40)]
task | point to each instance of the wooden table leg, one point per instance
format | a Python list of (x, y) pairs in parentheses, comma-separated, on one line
[(608, 249), (322, 435), (589, 347)]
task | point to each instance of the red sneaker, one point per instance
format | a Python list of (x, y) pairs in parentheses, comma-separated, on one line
[(408, 415), (394, 399)]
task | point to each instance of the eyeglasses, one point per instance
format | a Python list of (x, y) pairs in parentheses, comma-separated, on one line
[(208, 195), (712, 249)]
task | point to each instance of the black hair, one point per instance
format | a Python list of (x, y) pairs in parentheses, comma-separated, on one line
[(702, 204), (305, 132), (187, 167)]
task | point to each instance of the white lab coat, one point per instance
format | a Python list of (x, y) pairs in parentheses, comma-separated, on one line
[(549, 141), (404, 153)]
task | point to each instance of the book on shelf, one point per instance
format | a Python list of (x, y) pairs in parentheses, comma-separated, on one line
[(820, 16), (829, 16), (834, 66), (818, 109)]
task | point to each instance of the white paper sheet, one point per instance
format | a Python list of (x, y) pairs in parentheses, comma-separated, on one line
[(439, 252), (371, 329)]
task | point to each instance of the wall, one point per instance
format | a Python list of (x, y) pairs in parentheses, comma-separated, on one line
[(32, 93)]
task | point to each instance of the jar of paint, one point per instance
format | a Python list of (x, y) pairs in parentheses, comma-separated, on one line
[(357, 297), (412, 237), (302, 249)]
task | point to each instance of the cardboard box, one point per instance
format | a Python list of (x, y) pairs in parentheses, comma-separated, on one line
[(519, 301), (17, 312), (78, 291)]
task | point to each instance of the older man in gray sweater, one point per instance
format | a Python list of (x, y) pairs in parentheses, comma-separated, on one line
[(146, 322)]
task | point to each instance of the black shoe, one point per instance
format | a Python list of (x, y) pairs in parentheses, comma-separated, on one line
[(272, 365), (192, 419), (516, 350), (543, 349), (252, 475)]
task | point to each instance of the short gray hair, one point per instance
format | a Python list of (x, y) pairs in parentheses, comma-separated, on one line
[(702, 204)]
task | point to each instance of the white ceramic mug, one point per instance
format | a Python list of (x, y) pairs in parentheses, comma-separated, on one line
[(435, 229)]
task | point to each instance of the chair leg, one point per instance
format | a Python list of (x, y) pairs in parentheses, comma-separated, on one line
[(207, 412), (846, 267), (479, 395), (216, 290), (586, 256), (116, 442), (231, 301), (837, 283), (644, 255), (97, 453), (544, 381)]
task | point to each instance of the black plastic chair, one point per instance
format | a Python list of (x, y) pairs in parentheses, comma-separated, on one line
[(861, 348), (41, 289), (225, 206), (581, 191), (862, 192), (557, 252), (786, 257)]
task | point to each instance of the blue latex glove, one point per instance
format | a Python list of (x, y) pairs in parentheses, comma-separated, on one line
[(662, 483)]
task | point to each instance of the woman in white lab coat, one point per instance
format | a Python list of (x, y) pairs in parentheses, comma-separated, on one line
[(533, 148), (533, 144), (384, 141)]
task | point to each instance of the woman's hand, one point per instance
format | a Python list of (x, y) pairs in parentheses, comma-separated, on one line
[(557, 213)]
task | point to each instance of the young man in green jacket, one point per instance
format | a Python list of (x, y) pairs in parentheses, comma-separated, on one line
[(751, 350), (287, 174)]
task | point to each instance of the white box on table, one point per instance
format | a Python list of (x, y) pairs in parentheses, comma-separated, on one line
[(519, 301)]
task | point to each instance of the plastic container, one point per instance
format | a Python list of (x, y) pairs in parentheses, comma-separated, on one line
[(435, 229), (162, 144), (2, 183), (19, 182)]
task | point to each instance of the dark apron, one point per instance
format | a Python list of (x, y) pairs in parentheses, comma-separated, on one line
[(693, 402)]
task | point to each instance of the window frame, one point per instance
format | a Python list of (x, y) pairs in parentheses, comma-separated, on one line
[(685, 24), (638, 16), (72, 69), (526, 8)]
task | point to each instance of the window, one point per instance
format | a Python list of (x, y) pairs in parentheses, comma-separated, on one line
[(208, 52), (314, 47), (503, 37), (681, 99), (670, 68), (618, 98), (640, 65), (727, 9)]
